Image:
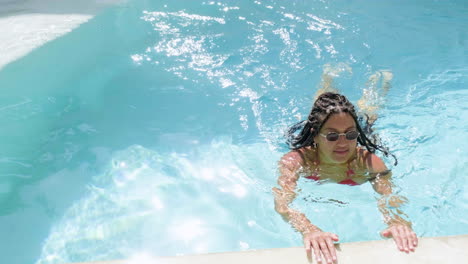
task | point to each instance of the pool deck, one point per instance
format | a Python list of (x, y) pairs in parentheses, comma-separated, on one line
[(28, 24), (431, 250)]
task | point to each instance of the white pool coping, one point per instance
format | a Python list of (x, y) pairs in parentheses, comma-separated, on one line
[(28, 24), (431, 250)]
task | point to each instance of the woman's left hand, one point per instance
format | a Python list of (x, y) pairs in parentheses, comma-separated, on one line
[(403, 235)]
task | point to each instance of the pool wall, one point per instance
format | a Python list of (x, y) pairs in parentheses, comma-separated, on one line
[(449, 249)]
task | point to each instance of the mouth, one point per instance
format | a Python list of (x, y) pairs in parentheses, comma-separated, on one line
[(341, 152)]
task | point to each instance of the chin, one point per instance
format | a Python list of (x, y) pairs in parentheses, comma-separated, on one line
[(341, 159)]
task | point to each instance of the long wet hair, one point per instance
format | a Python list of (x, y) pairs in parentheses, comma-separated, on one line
[(327, 104)]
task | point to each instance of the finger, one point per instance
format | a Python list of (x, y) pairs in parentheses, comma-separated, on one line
[(409, 236), (325, 250), (385, 233), (335, 237), (306, 244), (415, 239), (397, 238), (402, 230), (317, 251), (331, 248), (309, 255)]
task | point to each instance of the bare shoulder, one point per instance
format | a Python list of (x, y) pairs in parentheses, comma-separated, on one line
[(372, 162), (294, 159), (288, 167)]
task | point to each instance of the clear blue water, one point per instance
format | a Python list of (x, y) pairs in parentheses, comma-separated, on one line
[(156, 127)]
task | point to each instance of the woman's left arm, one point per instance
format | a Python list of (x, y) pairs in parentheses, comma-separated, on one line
[(389, 205)]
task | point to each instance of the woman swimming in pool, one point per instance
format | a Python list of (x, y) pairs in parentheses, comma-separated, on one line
[(331, 146)]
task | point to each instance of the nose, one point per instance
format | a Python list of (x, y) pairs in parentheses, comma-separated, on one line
[(342, 140)]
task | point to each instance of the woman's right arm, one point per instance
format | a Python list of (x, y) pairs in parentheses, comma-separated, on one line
[(313, 237)]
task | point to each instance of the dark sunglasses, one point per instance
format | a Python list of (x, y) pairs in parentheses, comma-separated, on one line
[(333, 136)]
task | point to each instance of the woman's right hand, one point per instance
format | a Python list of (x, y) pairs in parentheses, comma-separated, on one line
[(322, 244)]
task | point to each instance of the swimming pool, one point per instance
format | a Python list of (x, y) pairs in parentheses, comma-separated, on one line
[(155, 127)]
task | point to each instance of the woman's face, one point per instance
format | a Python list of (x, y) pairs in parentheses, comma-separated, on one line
[(341, 150)]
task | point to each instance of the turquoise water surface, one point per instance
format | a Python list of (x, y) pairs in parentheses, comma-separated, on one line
[(155, 128)]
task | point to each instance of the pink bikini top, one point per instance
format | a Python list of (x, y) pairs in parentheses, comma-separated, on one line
[(348, 181)]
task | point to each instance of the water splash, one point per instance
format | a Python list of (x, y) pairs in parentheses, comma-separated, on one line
[(166, 203)]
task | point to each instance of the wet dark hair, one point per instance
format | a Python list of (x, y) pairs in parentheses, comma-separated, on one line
[(327, 104)]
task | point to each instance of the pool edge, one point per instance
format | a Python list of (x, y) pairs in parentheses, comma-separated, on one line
[(448, 249), (33, 25)]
